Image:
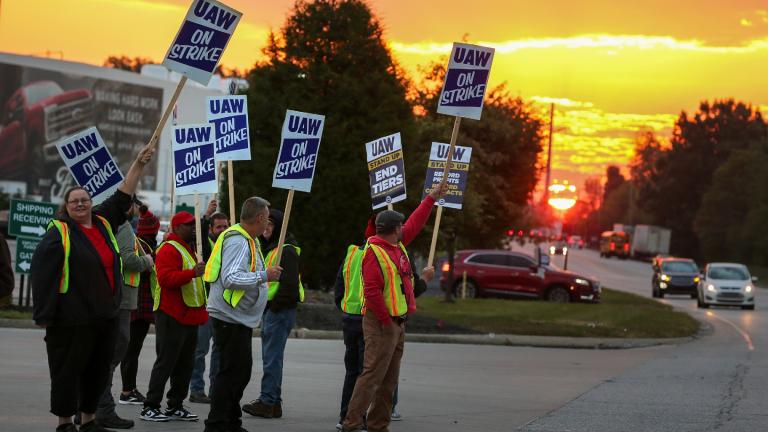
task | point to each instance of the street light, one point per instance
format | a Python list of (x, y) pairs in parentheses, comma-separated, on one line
[(562, 196)]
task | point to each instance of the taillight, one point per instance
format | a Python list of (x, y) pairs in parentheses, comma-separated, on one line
[(626, 247), (446, 267), (613, 246)]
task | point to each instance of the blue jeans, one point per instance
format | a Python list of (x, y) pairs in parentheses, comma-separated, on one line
[(204, 335), (274, 334)]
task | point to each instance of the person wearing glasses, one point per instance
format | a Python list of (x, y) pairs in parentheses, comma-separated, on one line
[(77, 284)]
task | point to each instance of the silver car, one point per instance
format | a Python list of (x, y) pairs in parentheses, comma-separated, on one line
[(726, 284)]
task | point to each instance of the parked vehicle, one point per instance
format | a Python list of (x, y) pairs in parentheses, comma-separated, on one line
[(726, 284), (649, 241), (614, 243), (558, 248), (576, 242), (497, 272), (675, 276)]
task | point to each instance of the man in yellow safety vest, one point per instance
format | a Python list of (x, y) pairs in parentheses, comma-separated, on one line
[(238, 277)]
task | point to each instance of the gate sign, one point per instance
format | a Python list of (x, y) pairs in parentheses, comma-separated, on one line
[(201, 40), (25, 248), (457, 177), (296, 161), (466, 81), (30, 218), (229, 117), (386, 170), (194, 165), (90, 163)]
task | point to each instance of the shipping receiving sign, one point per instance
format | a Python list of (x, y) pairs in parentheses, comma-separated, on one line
[(229, 117), (194, 162), (466, 81), (300, 143), (205, 32), (386, 170), (90, 163), (457, 177)]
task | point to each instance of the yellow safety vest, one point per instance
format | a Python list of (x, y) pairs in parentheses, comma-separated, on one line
[(193, 292), (63, 229), (353, 300), (274, 286), (213, 266), (133, 278), (393, 293)]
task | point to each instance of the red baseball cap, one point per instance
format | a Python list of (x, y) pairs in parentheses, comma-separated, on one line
[(181, 218)]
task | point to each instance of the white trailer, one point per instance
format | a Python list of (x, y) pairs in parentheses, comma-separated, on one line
[(649, 241)]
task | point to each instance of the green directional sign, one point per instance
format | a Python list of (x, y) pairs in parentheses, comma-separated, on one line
[(186, 208), (30, 218), (25, 248)]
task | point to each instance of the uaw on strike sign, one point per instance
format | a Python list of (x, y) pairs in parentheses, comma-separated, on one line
[(466, 81), (457, 177), (90, 163), (300, 144), (386, 170), (201, 40), (194, 164), (229, 117)]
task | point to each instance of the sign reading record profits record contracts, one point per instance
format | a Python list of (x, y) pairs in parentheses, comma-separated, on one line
[(457, 177), (299, 146), (193, 159), (229, 117), (386, 170), (90, 163), (201, 40), (466, 81)]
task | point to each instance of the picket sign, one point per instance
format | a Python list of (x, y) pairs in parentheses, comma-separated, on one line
[(87, 157), (462, 95), (296, 160)]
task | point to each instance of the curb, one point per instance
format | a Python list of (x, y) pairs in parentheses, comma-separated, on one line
[(487, 339)]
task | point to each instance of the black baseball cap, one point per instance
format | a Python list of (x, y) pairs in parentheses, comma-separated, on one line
[(389, 219)]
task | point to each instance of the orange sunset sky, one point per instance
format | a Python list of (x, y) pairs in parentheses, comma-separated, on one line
[(613, 67)]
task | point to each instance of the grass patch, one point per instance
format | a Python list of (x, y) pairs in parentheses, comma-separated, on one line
[(620, 315), (15, 314)]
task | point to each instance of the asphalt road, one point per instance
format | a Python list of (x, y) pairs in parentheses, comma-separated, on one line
[(717, 383)]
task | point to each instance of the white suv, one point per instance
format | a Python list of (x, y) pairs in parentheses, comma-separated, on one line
[(727, 284)]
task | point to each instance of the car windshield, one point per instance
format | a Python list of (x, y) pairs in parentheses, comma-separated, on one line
[(728, 273), (39, 91), (679, 267)]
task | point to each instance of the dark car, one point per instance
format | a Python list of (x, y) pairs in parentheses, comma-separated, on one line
[(675, 276), (497, 272)]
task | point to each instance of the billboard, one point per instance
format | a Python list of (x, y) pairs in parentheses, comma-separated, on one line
[(39, 107)]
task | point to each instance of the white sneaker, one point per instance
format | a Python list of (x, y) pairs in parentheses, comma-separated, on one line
[(395, 415), (181, 414), (153, 415), (338, 426)]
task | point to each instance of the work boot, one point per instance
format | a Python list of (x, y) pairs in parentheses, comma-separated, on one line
[(114, 422), (258, 408), (199, 397), (277, 410), (94, 426)]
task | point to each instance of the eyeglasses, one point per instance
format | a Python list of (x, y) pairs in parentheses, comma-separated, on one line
[(79, 201)]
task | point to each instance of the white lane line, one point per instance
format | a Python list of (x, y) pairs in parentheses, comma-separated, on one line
[(744, 334)]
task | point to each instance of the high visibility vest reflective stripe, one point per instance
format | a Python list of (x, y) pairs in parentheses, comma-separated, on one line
[(394, 298), (213, 266), (353, 301), (274, 286), (193, 293), (133, 278), (66, 244)]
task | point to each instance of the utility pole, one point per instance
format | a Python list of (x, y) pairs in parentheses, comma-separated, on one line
[(549, 153)]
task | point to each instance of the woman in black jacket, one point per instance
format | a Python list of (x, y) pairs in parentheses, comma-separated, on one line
[(77, 298)]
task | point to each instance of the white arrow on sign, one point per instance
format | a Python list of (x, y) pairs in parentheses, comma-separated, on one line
[(37, 230), (24, 265)]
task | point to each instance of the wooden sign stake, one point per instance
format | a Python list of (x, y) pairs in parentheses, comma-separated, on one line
[(446, 172), (284, 227), (198, 229)]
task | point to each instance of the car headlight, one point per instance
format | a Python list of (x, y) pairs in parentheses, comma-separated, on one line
[(580, 281), (711, 288), (696, 279), (748, 288), (552, 250), (664, 277)]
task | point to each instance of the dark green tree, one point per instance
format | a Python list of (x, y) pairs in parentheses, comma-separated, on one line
[(329, 58), (123, 62)]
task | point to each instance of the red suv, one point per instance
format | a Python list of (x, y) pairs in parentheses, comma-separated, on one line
[(501, 272)]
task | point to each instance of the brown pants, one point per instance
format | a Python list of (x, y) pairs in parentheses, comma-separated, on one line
[(381, 369)]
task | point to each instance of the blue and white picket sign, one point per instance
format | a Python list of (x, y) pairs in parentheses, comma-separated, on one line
[(300, 143), (194, 163), (386, 170), (457, 177), (202, 38), (229, 117), (88, 159), (466, 81)]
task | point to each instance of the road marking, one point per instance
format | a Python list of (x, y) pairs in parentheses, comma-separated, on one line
[(745, 335)]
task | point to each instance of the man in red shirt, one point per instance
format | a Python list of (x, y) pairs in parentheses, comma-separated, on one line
[(389, 298), (179, 303)]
